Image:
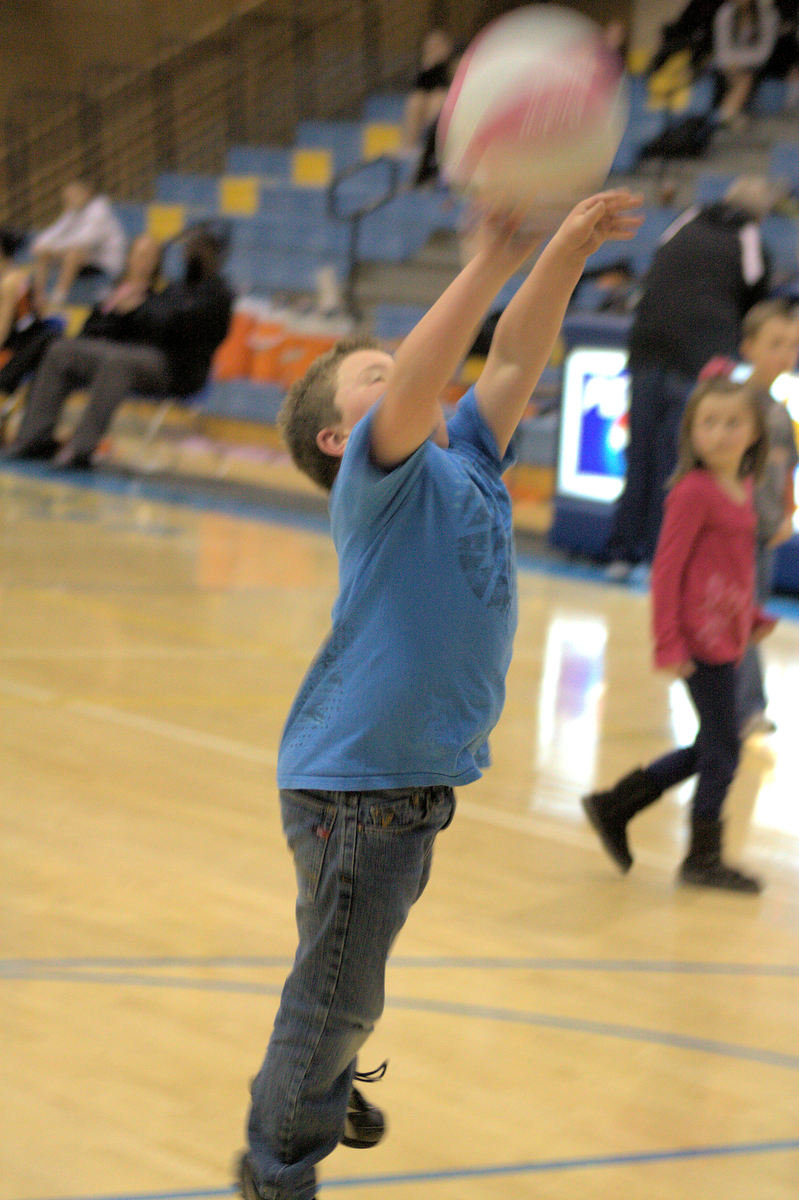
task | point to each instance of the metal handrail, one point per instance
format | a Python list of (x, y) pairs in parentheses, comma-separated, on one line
[(355, 216)]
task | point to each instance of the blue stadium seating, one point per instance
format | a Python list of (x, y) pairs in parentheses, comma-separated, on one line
[(199, 191), (132, 217), (343, 138), (784, 163), (272, 162), (385, 106), (781, 238), (769, 98), (710, 186)]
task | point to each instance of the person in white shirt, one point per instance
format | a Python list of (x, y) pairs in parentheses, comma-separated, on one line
[(86, 235), (744, 34)]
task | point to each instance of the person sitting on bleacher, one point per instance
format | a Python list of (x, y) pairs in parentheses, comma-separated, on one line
[(153, 344), (86, 239), (24, 335), (744, 36)]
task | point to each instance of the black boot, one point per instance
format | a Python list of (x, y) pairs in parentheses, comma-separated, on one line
[(610, 811), (704, 866)]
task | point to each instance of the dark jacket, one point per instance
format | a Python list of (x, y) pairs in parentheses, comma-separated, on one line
[(697, 289), (186, 321)]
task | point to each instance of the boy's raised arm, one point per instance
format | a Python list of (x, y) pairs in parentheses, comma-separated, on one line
[(426, 360), (526, 331), (428, 357)]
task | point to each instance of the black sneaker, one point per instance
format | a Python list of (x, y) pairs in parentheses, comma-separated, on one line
[(365, 1125), (245, 1182)]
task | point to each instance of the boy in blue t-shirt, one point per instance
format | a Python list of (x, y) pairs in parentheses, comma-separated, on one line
[(397, 707)]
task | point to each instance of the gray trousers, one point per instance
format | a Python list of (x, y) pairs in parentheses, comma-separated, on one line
[(111, 371)]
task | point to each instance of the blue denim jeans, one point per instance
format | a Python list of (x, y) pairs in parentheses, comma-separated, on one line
[(362, 859)]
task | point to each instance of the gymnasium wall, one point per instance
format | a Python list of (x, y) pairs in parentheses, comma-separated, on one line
[(65, 43), (55, 43)]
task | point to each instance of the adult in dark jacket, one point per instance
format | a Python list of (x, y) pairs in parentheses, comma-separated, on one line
[(709, 270), (158, 345)]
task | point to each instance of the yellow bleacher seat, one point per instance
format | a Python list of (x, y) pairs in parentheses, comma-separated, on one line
[(311, 167), (76, 314), (380, 138), (238, 195), (638, 59), (165, 221)]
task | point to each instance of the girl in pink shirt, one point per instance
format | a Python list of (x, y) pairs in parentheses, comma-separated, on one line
[(704, 617)]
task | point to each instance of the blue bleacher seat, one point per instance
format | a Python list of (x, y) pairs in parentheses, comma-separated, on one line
[(242, 399), (273, 162), (315, 235), (589, 296), (769, 98), (700, 99), (197, 191), (784, 163), (780, 237), (642, 127), (342, 138), (645, 243), (508, 291), (288, 200), (385, 106), (710, 186), (132, 217), (279, 270), (392, 321)]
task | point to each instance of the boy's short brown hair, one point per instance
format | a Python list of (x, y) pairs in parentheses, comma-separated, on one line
[(310, 406), (767, 310)]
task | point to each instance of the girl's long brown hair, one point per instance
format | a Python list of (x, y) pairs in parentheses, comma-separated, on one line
[(753, 460)]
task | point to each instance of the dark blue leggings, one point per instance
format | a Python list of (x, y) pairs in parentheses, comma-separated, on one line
[(715, 754)]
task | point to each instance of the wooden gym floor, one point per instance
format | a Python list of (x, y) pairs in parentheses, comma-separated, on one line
[(553, 1030)]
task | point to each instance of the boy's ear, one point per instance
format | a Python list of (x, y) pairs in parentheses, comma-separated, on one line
[(332, 441)]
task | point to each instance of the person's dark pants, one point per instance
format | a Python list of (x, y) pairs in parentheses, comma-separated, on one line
[(657, 400), (27, 351), (751, 689), (111, 371), (715, 754)]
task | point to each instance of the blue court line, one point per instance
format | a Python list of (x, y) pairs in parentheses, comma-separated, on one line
[(199, 501), (533, 1167), (450, 1008), (427, 962)]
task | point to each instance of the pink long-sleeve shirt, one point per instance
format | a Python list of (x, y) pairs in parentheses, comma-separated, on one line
[(703, 574)]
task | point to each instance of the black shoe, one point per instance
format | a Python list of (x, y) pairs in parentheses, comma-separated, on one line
[(42, 448), (719, 875), (610, 812), (244, 1180), (612, 833), (365, 1125), (68, 458), (704, 866)]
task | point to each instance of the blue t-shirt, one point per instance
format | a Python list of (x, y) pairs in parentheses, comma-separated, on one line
[(411, 679)]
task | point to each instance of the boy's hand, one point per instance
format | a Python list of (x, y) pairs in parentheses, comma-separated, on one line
[(503, 237), (604, 217)]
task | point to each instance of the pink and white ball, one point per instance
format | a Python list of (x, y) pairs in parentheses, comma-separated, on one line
[(535, 112)]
